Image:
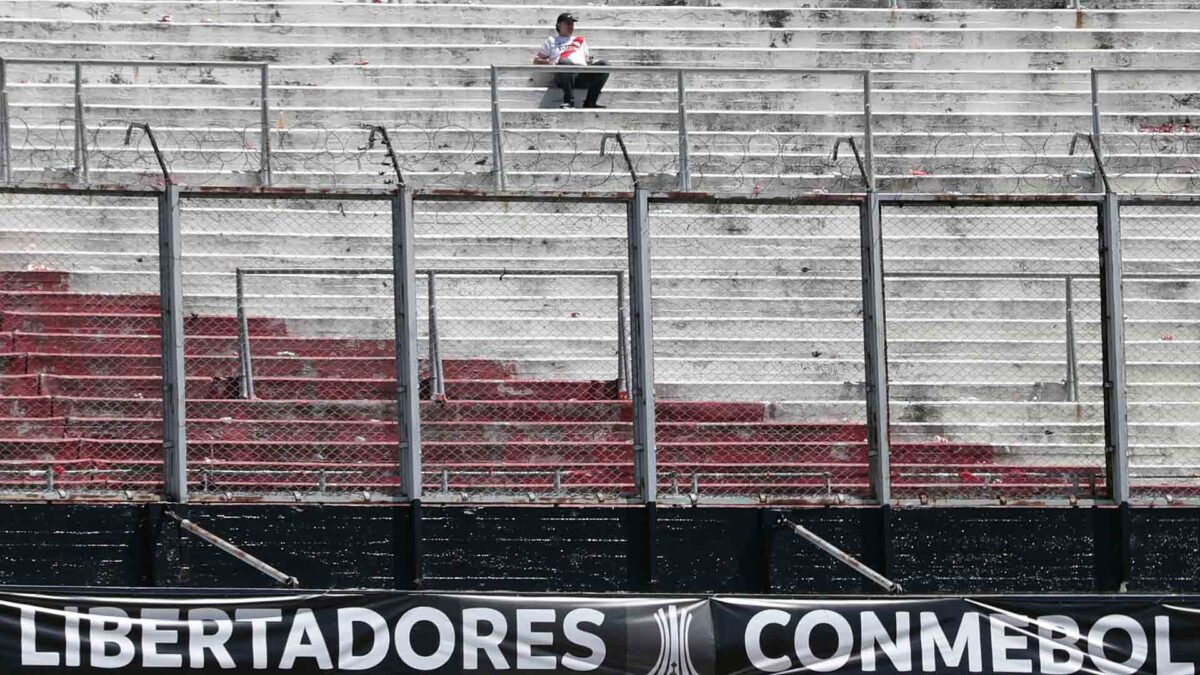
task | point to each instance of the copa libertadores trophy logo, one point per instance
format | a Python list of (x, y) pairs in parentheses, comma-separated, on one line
[(674, 652)]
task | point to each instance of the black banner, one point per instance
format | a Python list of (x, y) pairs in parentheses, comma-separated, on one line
[(447, 633)]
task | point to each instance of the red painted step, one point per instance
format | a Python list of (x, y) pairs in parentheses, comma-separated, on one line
[(19, 385), (33, 281), (14, 364), (60, 301), (198, 345)]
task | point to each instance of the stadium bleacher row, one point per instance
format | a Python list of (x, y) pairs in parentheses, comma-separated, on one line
[(758, 331)]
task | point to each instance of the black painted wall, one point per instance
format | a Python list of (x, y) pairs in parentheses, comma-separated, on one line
[(607, 549)]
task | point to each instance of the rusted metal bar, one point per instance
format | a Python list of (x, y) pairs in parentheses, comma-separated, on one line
[(841, 556), (230, 548)]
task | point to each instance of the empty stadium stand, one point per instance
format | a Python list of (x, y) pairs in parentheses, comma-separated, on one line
[(758, 329)]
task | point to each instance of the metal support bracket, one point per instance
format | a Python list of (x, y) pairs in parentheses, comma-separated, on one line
[(862, 169), (624, 153), (387, 144), (228, 547), (1091, 139), (841, 556), (162, 163)]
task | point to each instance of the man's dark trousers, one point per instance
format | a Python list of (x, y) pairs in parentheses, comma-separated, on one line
[(593, 82)]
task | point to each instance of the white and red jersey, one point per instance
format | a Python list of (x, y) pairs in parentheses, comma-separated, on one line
[(569, 51)]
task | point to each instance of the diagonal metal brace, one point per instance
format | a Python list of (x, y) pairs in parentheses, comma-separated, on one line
[(1095, 155), (387, 144), (624, 152), (862, 169), (841, 556), (208, 537), (162, 163)]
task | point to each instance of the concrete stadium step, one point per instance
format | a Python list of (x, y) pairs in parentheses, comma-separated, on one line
[(467, 411), (378, 34), (282, 15), (65, 302), (203, 344), (890, 56), (100, 322), (372, 430), (268, 388)]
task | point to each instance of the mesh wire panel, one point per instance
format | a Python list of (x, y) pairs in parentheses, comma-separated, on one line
[(1159, 248), (758, 353), (985, 402), (527, 403), (80, 377), (321, 423)]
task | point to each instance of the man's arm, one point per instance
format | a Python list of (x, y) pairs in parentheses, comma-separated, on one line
[(542, 57)]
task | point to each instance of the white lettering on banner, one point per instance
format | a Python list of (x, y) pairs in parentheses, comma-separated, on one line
[(30, 656), (1048, 645), (1003, 640), (874, 635), (1162, 650), (935, 642), (489, 644), (445, 639), (380, 638), (200, 641), (100, 637), (528, 638), (1137, 649), (582, 638), (753, 640), (160, 626), (71, 636), (305, 641), (803, 641), (258, 620)]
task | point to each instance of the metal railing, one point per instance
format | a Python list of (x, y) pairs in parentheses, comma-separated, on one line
[(437, 378), (683, 158), (79, 104)]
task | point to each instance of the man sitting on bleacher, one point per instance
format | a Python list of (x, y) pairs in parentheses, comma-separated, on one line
[(567, 49)]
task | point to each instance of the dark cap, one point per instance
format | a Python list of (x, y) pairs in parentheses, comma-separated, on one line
[(565, 16)]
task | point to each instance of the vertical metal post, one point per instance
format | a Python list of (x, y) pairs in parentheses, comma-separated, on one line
[(1116, 429), (408, 382), (875, 349), (173, 371), (1097, 132), (497, 134), (622, 348), (685, 171), (81, 169), (245, 365), (1072, 362), (264, 98), (868, 133), (642, 343), (5, 127), (437, 376)]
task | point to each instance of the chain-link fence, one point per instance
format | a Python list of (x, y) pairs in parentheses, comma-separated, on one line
[(81, 371), (758, 352), (1161, 269), (994, 360), (303, 406), (527, 396)]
